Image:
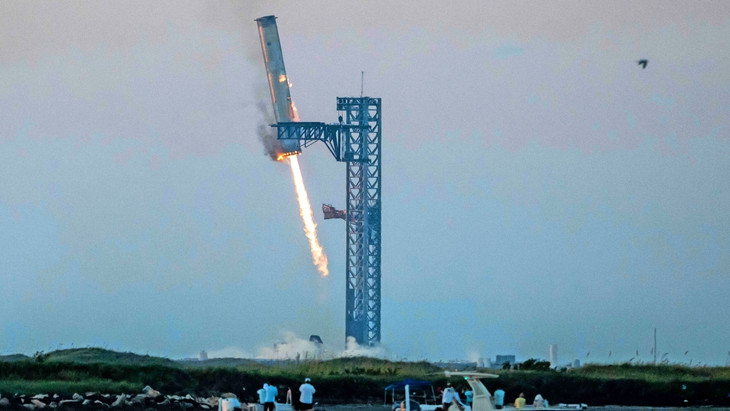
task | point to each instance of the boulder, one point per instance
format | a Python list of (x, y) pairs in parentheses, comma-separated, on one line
[(38, 403), (77, 397), (4, 402), (150, 392), (100, 404), (69, 403), (121, 401), (138, 400), (93, 396)]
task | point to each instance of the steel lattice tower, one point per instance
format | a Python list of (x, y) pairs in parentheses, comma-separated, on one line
[(362, 144), (355, 140)]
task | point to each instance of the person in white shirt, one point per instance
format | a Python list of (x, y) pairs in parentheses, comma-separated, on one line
[(306, 396), (449, 396)]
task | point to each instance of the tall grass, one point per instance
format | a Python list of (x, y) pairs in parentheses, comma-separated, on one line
[(653, 373)]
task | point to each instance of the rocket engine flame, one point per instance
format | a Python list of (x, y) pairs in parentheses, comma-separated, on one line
[(285, 155), (319, 258)]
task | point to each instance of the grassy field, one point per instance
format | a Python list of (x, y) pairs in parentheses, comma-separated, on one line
[(352, 380)]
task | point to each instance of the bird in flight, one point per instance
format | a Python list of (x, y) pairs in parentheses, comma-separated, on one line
[(643, 63)]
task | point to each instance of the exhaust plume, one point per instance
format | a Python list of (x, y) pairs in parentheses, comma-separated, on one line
[(319, 258), (274, 149)]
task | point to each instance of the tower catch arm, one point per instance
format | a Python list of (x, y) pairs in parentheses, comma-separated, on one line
[(333, 136)]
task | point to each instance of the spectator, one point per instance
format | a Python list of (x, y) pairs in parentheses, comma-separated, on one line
[(520, 401), (306, 396), (271, 393), (450, 395), (262, 394), (539, 402), (499, 399)]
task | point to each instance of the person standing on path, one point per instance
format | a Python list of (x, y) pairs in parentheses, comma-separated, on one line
[(469, 396), (306, 396), (499, 399), (450, 395), (262, 397), (271, 393)]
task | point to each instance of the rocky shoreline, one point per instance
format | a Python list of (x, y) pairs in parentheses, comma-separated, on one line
[(149, 398)]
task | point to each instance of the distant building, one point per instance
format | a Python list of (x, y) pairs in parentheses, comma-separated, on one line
[(576, 364), (502, 359), (203, 355)]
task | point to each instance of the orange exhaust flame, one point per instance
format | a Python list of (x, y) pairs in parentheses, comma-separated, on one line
[(285, 155), (319, 258)]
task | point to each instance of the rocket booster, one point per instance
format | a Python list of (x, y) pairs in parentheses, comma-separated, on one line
[(284, 109)]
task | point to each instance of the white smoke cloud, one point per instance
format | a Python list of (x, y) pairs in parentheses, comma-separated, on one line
[(473, 355), (293, 347), (353, 349)]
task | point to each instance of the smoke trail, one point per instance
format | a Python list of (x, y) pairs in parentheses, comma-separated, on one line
[(305, 210), (272, 146)]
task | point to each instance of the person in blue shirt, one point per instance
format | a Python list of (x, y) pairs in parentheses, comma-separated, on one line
[(499, 399), (271, 393), (262, 394)]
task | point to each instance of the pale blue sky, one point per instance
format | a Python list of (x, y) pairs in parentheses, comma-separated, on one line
[(539, 187)]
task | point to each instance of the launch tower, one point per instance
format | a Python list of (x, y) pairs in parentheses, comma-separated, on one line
[(356, 141)]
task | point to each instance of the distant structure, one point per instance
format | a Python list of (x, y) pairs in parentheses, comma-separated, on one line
[(202, 356), (315, 339), (502, 359), (553, 355), (576, 363), (484, 363)]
